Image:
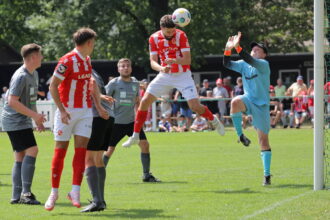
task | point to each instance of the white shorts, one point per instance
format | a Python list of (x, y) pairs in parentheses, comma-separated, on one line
[(79, 124), (164, 82)]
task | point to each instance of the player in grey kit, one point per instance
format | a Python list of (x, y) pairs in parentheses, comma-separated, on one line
[(125, 90), (98, 143), (19, 108)]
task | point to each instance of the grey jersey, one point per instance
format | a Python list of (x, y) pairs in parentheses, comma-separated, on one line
[(126, 94), (25, 86), (105, 104)]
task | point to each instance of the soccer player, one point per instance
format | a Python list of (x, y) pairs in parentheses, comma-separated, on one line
[(101, 130), (171, 46), (19, 108), (125, 90), (70, 89), (255, 73)]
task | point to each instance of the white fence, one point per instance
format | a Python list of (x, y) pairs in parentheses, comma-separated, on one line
[(44, 107)]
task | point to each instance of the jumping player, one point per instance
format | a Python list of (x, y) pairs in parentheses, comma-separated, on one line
[(70, 89), (255, 73), (19, 108), (171, 46), (125, 90)]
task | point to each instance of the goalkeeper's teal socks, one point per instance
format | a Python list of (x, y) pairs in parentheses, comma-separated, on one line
[(237, 121), (266, 157)]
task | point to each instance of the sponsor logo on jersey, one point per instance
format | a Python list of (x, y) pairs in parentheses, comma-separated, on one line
[(84, 76), (59, 132)]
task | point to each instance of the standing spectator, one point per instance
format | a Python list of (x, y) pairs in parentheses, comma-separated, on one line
[(165, 104), (220, 92), (229, 87), (274, 107), (280, 88), (203, 91), (19, 109), (297, 87), (238, 89), (199, 124), (42, 89), (184, 108), (310, 92), (286, 108), (212, 104), (327, 92), (143, 88), (175, 103), (300, 108), (4, 91), (70, 89)]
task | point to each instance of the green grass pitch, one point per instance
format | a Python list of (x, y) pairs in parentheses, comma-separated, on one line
[(205, 176)]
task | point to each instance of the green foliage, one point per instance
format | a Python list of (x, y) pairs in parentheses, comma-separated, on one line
[(123, 26)]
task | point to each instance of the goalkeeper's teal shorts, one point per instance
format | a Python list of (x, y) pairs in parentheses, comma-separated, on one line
[(260, 114)]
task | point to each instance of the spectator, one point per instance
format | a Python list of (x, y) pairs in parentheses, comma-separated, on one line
[(300, 109), (310, 92), (327, 92), (220, 92), (204, 89), (199, 124), (143, 88), (228, 86), (297, 87), (165, 105), (280, 88), (175, 104), (164, 125), (212, 105), (182, 125), (286, 108), (4, 90), (42, 89), (238, 89), (274, 105), (184, 108)]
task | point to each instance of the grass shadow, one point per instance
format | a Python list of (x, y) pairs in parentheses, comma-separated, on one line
[(163, 182), (293, 186), (5, 184), (124, 213), (245, 190)]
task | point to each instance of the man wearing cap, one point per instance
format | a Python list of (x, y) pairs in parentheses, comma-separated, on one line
[(255, 73), (297, 87)]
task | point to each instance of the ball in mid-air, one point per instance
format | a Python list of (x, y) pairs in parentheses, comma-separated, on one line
[(181, 17)]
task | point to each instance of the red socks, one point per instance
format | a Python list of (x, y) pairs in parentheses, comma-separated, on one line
[(207, 114), (140, 118), (57, 166), (78, 165)]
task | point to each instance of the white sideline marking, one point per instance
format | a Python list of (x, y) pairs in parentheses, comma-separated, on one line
[(275, 205)]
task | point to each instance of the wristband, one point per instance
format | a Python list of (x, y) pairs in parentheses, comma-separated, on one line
[(227, 52), (239, 49)]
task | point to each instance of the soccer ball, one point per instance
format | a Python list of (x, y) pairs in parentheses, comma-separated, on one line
[(181, 17)]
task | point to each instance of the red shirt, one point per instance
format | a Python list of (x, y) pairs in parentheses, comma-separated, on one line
[(170, 49), (327, 90), (300, 105), (75, 71)]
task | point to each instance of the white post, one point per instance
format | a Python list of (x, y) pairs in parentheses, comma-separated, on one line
[(318, 94), (154, 116)]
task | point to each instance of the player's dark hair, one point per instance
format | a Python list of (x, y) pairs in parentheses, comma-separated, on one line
[(28, 49), (83, 34), (167, 22)]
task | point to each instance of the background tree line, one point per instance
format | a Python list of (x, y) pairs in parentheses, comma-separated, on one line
[(123, 26)]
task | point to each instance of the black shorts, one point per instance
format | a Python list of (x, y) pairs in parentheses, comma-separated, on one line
[(22, 139), (120, 130), (101, 131)]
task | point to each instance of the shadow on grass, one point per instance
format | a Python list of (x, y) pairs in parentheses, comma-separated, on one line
[(5, 184), (5, 174), (163, 182), (293, 186), (245, 190), (124, 213)]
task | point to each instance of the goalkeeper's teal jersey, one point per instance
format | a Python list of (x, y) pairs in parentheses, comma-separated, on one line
[(256, 77)]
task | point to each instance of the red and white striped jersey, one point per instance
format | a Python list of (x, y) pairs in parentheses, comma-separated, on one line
[(76, 72), (170, 49)]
